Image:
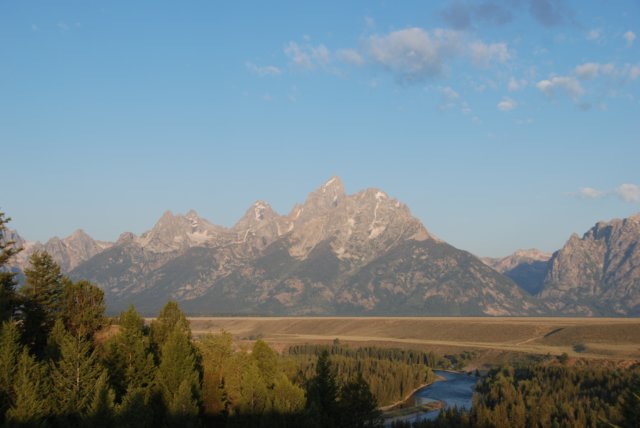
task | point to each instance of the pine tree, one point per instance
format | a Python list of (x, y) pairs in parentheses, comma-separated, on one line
[(323, 392), (134, 411), (83, 308), (170, 318), (129, 358), (8, 283), (177, 378), (74, 377), (358, 407), (30, 405), (41, 295), (9, 353), (101, 412)]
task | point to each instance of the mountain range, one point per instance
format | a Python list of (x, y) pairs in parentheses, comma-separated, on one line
[(339, 254)]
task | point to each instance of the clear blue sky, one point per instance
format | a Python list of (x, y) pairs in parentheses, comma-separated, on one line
[(502, 125)]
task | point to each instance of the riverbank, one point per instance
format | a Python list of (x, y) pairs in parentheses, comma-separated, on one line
[(401, 404), (451, 388)]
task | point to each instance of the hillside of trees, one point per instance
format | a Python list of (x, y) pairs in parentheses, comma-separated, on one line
[(549, 394)]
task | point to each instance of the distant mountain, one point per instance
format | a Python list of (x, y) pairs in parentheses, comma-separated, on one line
[(335, 254), (339, 254), (527, 268), (68, 252), (598, 274)]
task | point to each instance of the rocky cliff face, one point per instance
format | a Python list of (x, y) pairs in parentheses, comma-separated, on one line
[(334, 254), (598, 274), (527, 268)]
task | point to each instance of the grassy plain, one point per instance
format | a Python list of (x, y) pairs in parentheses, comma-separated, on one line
[(492, 338)]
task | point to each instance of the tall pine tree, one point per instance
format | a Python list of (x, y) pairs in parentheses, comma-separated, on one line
[(74, 377), (9, 353), (41, 295), (8, 297), (129, 358), (178, 378), (30, 406)]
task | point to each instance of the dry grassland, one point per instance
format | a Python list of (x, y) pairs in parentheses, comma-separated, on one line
[(603, 338)]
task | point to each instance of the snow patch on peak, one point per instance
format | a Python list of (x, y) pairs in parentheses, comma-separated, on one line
[(258, 210), (328, 183), (381, 195)]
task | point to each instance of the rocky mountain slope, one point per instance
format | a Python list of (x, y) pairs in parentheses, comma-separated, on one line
[(334, 254), (598, 274), (360, 254), (527, 268), (68, 252)]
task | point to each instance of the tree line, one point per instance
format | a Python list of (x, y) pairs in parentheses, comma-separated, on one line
[(549, 394)]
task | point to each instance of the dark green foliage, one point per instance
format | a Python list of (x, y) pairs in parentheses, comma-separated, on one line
[(8, 298), (178, 377), (322, 392), (129, 358), (101, 413), (549, 395), (170, 318), (41, 295), (358, 407), (30, 403), (75, 377), (83, 308), (390, 373), (9, 351)]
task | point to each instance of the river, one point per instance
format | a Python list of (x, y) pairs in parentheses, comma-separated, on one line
[(456, 389)]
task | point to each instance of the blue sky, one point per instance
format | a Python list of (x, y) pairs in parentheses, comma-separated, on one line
[(502, 125)]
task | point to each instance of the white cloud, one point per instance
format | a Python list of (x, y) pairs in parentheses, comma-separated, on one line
[(506, 104), (267, 70), (588, 70), (561, 84), (298, 56), (413, 53), (307, 57), (629, 36), (594, 34), (634, 72), (629, 192), (350, 56), (483, 54), (591, 193), (515, 84)]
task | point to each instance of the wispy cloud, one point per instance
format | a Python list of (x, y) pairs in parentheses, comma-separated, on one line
[(516, 84), (628, 192), (483, 54), (594, 34), (506, 104), (307, 56), (629, 36), (591, 193), (556, 85), (350, 56), (267, 70), (413, 53)]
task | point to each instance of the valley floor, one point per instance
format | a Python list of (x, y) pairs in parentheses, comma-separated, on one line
[(493, 338)]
